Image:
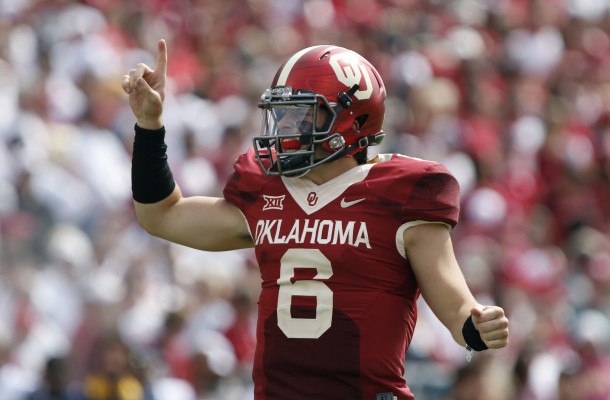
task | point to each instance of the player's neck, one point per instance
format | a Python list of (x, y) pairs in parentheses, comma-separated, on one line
[(326, 172)]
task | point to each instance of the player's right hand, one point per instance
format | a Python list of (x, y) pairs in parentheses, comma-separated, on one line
[(146, 89), (492, 325)]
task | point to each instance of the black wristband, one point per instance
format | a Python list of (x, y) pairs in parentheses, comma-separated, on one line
[(151, 177), (472, 336)]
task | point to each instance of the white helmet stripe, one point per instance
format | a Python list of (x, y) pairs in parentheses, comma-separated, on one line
[(291, 62)]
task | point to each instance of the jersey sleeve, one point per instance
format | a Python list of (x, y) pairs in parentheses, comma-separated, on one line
[(417, 190), (435, 197), (246, 182)]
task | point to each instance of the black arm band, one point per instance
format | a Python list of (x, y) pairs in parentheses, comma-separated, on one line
[(151, 177), (472, 336)]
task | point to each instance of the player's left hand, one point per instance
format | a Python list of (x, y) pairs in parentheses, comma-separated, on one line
[(492, 324)]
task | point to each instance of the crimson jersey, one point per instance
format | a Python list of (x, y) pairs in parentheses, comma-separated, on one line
[(337, 308)]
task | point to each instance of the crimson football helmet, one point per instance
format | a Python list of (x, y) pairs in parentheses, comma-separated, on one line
[(324, 97)]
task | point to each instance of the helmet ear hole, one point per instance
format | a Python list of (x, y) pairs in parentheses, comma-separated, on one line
[(361, 119)]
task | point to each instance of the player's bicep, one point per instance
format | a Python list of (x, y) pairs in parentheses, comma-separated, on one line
[(205, 223), (441, 282)]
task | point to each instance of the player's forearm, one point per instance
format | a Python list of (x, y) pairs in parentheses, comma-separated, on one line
[(152, 183)]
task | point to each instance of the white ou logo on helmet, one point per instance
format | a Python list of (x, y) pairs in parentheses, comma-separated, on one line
[(349, 72)]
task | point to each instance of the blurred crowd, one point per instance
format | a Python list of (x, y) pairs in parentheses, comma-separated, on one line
[(513, 96)]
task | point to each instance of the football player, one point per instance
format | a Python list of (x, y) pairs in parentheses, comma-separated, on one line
[(345, 245)]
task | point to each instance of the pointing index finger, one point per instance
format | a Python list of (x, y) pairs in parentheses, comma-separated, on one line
[(161, 57)]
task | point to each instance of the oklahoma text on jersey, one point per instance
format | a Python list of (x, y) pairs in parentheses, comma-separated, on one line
[(353, 233)]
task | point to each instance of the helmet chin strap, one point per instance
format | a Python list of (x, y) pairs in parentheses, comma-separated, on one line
[(294, 162), (360, 144), (300, 161)]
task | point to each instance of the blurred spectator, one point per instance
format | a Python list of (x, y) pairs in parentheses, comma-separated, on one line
[(112, 378), (242, 332), (175, 350), (55, 383), (468, 383)]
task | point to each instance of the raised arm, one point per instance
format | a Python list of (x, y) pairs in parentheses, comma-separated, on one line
[(444, 288), (205, 223)]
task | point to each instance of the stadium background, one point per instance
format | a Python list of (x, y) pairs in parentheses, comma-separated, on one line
[(512, 95)]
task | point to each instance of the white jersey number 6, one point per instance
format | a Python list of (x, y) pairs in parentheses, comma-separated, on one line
[(304, 328)]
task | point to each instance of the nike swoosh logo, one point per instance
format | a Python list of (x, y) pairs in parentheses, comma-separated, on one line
[(345, 204)]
